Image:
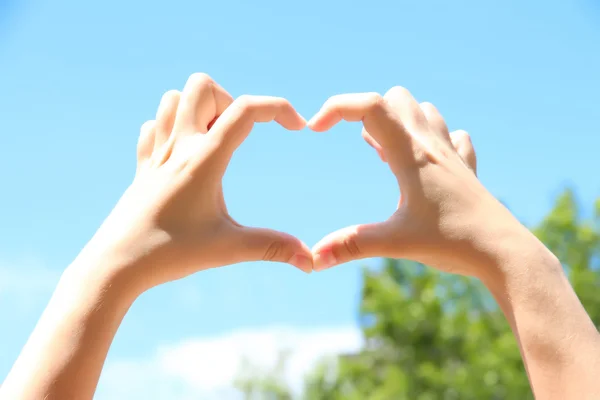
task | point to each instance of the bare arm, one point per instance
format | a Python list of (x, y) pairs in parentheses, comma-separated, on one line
[(171, 222), (65, 353), (448, 220), (559, 343)]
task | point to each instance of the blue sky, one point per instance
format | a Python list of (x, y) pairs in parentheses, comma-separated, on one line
[(77, 79)]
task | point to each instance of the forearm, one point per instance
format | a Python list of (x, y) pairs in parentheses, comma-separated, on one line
[(64, 355), (559, 343)]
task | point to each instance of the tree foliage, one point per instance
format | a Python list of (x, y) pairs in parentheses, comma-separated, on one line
[(430, 335)]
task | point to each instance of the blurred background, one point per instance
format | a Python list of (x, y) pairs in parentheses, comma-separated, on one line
[(77, 79)]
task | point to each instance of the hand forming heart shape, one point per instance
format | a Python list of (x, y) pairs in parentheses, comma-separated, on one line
[(435, 171), (439, 215), (173, 219)]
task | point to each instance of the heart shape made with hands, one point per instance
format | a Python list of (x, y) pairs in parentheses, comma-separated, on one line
[(183, 154)]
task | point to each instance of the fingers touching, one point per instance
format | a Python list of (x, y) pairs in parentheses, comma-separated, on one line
[(197, 130), (353, 243), (399, 128), (258, 244), (405, 134)]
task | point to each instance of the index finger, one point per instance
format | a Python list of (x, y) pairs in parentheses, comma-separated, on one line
[(236, 122), (392, 129)]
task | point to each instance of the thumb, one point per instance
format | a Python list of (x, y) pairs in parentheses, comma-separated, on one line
[(260, 244), (353, 243)]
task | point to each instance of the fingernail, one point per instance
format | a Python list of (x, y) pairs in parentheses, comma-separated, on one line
[(302, 262), (324, 260)]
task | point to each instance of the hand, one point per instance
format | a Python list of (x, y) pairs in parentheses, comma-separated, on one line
[(172, 221), (445, 217)]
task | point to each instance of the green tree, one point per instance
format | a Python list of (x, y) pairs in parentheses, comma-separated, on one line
[(430, 335), (264, 384)]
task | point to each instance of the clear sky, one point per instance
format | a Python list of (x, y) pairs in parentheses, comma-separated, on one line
[(78, 78)]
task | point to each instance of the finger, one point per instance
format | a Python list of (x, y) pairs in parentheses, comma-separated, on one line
[(202, 100), (388, 125), (352, 107), (353, 243), (146, 141), (464, 147), (268, 245), (236, 122), (435, 121), (373, 143), (406, 107), (417, 125), (165, 117)]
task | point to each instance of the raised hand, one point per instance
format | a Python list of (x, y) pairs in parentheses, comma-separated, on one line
[(173, 220), (443, 206)]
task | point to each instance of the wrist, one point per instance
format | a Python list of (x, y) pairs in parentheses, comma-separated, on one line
[(501, 246), (531, 287), (521, 263), (103, 273), (517, 253)]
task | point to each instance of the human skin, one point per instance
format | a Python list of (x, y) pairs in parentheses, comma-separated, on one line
[(171, 222), (448, 220)]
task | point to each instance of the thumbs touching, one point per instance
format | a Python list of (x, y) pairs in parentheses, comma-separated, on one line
[(259, 244)]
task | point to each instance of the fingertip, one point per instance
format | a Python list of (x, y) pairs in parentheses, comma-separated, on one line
[(323, 254), (319, 124), (301, 122), (320, 246), (323, 260), (291, 119), (311, 124), (302, 262)]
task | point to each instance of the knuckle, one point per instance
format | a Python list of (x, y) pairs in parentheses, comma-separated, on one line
[(333, 101), (171, 94), (463, 136), (245, 103), (274, 251), (199, 79), (398, 91), (147, 126), (428, 106), (280, 102), (374, 101), (467, 137), (351, 247)]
